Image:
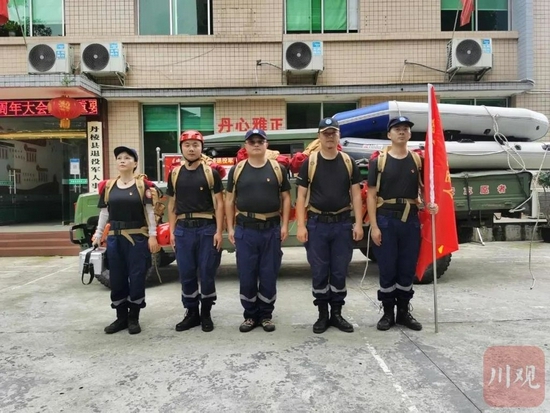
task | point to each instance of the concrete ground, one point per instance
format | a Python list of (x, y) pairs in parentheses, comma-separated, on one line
[(56, 358)]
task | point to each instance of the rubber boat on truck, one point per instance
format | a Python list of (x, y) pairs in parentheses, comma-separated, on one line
[(468, 155), (516, 124)]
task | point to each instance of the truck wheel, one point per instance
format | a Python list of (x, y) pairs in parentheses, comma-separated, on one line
[(442, 265), (465, 234)]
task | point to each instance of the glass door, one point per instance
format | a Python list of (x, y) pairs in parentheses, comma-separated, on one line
[(75, 176)]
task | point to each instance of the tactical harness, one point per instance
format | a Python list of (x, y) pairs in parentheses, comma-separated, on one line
[(157, 206), (382, 158), (312, 167), (209, 179), (278, 173)]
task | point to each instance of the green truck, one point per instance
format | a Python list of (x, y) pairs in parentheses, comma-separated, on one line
[(478, 196)]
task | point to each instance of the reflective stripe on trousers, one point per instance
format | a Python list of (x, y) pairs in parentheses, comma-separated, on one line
[(196, 255), (259, 258), (329, 251)]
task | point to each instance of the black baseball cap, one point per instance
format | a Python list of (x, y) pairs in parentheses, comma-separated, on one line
[(255, 132), (132, 152), (398, 121), (328, 123)]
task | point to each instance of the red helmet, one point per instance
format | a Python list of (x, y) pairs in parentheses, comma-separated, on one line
[(191, 135), (163, 234)]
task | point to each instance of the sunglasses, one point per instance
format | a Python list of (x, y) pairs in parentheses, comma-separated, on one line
[(255, 141)]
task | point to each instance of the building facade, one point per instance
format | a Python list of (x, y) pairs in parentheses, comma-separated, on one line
[(229, 65)]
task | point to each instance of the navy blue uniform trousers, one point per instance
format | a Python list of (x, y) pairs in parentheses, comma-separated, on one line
[(397, 256), (329, 251), (259, 257), (128, 265), (195, 251)]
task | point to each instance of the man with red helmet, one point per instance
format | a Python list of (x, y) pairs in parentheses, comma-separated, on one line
[(196, 212)]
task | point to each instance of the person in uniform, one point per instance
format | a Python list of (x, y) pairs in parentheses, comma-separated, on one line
[(195, 213), (260, 195), (395, 226), (328, 197), (130, 241)]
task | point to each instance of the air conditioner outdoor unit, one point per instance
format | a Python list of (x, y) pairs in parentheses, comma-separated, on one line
[(49, 58), (469, 55), (301, 57), (102, 59)]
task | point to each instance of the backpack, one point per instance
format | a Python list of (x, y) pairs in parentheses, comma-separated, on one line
[(154, 191), (207, 173), (240, 166), (313, 167)]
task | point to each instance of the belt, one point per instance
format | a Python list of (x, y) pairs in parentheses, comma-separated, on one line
[(195, 223), (311, 208), (125, 224), (262, 215), (259, 225), (392, 213), (195, 215), (131, 231), (329, 218)]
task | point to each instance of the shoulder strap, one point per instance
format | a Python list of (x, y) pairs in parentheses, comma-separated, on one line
[(418, 161), (382, 157), (141, 188), (277, 169), (312, 166), (174, 176), (238, 170), (348, 163), (108, 187), (209, 175), (210, 180)]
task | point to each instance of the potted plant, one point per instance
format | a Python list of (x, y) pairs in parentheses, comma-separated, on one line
[(543, 180), (12, 28)]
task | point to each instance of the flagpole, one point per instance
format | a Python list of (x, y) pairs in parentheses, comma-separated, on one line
[(432, 197)]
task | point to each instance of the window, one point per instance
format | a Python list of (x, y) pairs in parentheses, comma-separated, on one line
[(163, 124), (503, 103), (488, 15), (35, 18), (164, 17), (321, 16), (308, 115)]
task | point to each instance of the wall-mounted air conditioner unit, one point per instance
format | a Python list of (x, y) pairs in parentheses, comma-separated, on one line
[(469, 55), (301, 57), (49, 58), (102, 59)]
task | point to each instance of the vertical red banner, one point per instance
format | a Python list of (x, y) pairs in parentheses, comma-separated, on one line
[(438, 190)]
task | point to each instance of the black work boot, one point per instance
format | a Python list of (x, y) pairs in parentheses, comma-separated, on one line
[(206, 319), (404, 317), (323, 321), (388, 319), (192, 319), (133, 320), (337, 320), (121, 322)]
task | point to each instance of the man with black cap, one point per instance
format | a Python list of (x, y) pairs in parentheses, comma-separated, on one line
[(258, 198), (126, 204), (392, 201), (328, 190)]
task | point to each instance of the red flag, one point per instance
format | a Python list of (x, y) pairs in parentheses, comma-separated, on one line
[(437, 189), (4, 16), (467, 9)]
